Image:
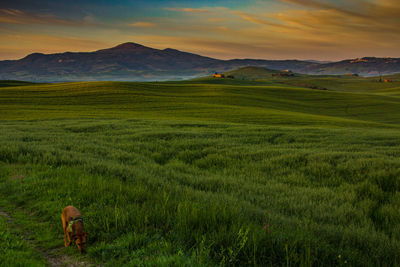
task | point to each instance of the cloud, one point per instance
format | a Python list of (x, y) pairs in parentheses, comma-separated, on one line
[(323, 5), (357, 27), (214, 20), (143, 24), (303, 29), (186, 9), (12, 12), (15, 16), (278, 29), (257, 20), (369, 21), (381, 10), (201, 45), (229, 48), (15, 46)]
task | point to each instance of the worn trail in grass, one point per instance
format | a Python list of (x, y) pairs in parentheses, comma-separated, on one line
[(21, 247)]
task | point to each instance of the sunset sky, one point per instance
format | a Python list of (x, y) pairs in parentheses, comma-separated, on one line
[(225, 29)]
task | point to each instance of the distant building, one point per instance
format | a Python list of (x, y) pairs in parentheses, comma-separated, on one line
[(219, 75), (283, 73), (357, 60)]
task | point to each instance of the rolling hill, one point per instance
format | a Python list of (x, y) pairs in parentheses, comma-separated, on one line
[(347, 83), (207, 172), (131, 61), (251, 73), (280, 101)]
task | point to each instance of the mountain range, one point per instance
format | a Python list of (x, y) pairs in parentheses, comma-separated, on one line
[(131, 61)]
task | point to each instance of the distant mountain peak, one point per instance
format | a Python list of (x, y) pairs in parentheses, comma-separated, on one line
[(33, 56), (170, 49), (129, 46)]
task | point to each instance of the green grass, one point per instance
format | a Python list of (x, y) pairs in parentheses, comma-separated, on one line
[(371, 85), (15, 250), (9, 83), (266, 105), (251, 73), (203, 174)]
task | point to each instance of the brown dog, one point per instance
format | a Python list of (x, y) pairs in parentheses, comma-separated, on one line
[(73, 227)]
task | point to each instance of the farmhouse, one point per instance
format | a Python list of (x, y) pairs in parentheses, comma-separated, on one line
[(352, 74), (218, 75), (283, 73), (357, 60)]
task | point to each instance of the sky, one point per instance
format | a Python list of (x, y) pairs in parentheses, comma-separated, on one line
[(324, 30)]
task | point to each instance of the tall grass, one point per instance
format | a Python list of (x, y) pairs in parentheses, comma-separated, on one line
[(15, 250), (205, 173), (182, 193)]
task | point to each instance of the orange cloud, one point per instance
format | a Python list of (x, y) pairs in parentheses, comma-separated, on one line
[(15, 46), (217, 20), (303, 29), (143, 24), (382, 10), (257, 20), (186, 9), (319, 29), (14, 16), (230, 48), (12, 12)]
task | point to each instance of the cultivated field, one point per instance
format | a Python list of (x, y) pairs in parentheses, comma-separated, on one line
[(204, 173)]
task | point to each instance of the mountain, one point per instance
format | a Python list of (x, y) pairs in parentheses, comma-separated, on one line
[(131, 61), (127, 61), (367, 66)]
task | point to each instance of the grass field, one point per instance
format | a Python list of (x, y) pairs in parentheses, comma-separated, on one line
[(207, 172)]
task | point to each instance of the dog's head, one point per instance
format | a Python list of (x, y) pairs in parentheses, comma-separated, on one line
[(80, 241), (79, 234)]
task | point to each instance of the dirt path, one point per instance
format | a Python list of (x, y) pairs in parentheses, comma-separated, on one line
[(62, 260), (4, 214), (53, 257)]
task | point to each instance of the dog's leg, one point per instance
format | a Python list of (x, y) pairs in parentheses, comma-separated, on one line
[(69, 239), (65, 239), (64, 229), (67, 236)]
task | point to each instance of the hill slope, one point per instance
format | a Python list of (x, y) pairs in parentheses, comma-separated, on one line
[(257, 104), (202, 174), (251, 73), (348, 83)]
